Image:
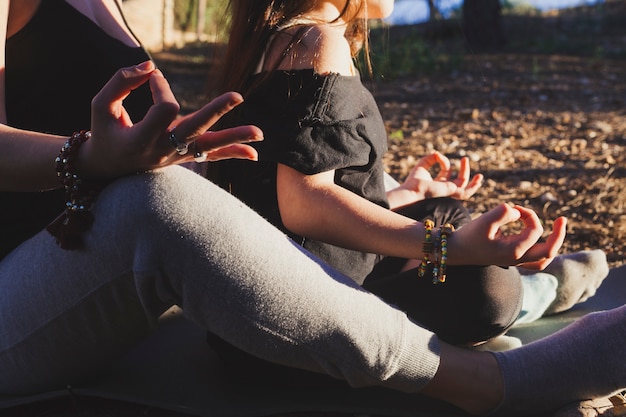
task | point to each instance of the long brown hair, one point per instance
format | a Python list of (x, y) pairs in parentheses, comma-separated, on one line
[(253, 23)]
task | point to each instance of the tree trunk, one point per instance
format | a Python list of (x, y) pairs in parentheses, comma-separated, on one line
[(167, 27), (201, 26), (482, 24), (435, 14)]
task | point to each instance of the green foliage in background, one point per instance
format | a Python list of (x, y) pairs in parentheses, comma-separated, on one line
[(396, 53), (519, 8), (186, 15)]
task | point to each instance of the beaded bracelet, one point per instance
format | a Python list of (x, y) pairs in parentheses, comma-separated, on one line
[(79, 196), (436, 262), (440, 246), (427, 247), (440, 274)]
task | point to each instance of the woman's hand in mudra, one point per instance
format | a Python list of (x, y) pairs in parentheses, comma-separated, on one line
[(120, 147)]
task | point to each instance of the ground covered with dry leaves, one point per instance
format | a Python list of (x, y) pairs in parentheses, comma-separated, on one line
[(556, 142), (548, 130)]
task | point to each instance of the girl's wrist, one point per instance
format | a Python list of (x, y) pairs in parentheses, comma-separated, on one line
[(455, 252), (403, 196), (435, 250)]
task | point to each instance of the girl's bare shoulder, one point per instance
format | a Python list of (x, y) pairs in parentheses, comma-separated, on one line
[(320, 47)]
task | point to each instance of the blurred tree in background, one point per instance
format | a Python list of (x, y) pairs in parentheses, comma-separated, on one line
[(434, 13), (482, 23), (200, 16)]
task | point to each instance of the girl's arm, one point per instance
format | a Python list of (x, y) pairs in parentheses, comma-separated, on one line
[(315, 207)]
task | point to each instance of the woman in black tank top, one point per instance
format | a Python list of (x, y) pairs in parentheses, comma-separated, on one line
[(43, 96)]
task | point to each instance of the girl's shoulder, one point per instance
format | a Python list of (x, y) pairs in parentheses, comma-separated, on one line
[(322, 48)]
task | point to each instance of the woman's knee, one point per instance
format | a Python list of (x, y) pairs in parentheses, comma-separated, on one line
[(147, 200)]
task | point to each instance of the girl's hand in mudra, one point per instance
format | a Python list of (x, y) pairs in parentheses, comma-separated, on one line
[(444, 184), (482, 242)]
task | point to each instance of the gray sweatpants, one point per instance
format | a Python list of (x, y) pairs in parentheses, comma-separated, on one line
[(171, 237)]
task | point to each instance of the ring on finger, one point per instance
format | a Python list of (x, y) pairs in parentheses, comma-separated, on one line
[(198, 156), (181, 147)]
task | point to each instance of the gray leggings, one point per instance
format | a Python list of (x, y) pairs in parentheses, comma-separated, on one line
[(172, 237)]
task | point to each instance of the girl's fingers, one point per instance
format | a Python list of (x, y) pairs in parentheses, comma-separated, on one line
[(498, 217), (541, 254), (533, 229), (436, 158), (463, 177), (474, 185)]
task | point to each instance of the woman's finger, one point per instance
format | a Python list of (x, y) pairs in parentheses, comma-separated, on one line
[(214, 140), (203, 119), (120, 85), (164, 110), (239, 151)]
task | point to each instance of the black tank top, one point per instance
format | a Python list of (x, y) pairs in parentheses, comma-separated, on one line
[(54, 66)]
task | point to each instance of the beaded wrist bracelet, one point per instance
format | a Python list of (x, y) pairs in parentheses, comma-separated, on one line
[(440, 246), (436, 261), (440, 276), (79, 196), (427, 247)]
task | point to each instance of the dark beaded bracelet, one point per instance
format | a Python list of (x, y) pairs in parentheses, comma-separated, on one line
[(79, 196)]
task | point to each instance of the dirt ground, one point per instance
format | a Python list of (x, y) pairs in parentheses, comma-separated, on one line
[(548, 131)]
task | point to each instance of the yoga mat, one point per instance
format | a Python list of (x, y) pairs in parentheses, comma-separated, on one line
[(175, 369), (611, 294)]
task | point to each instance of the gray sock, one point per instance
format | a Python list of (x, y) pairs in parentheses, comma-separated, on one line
[(583, 361), (579, 275)]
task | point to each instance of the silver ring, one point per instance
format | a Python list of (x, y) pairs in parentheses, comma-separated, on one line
[(181, 147), (198, 156)]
